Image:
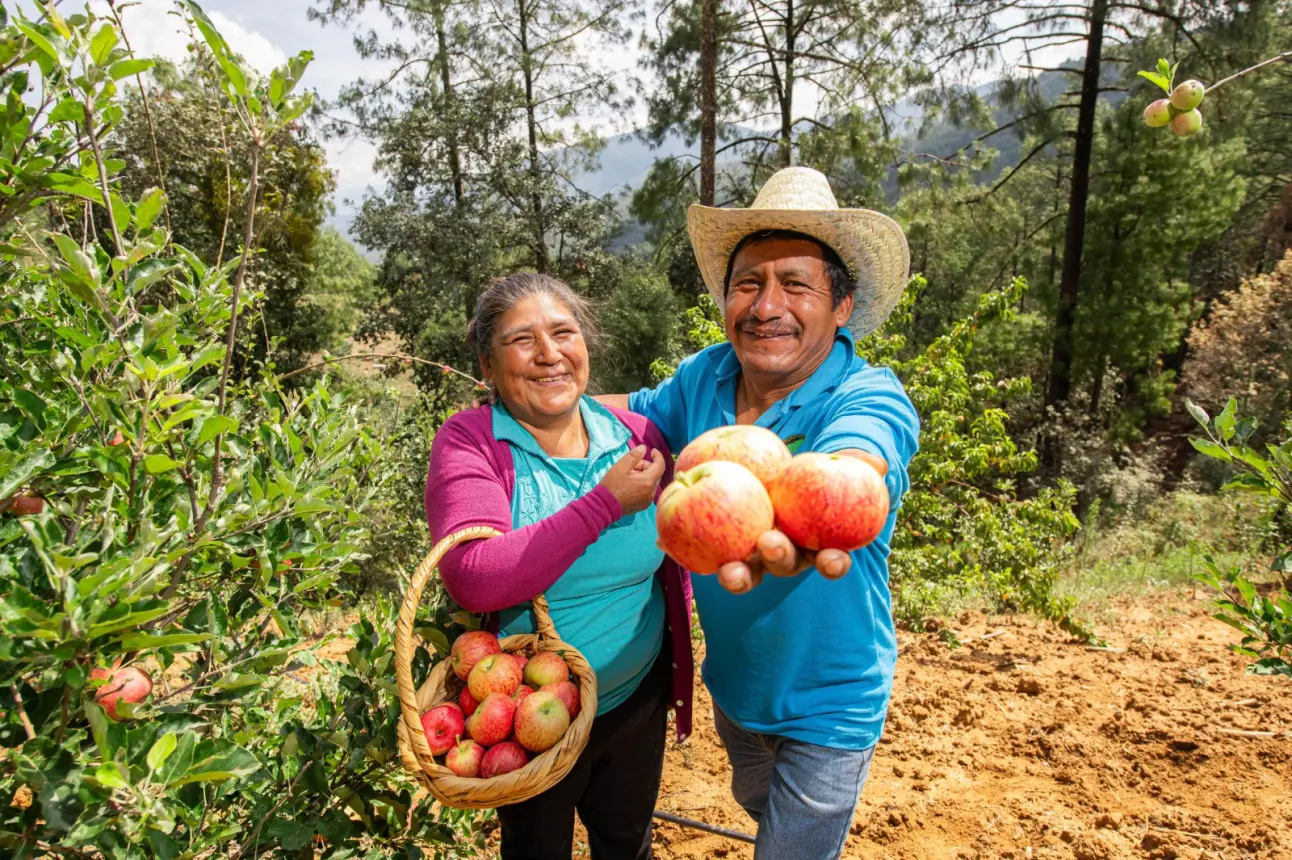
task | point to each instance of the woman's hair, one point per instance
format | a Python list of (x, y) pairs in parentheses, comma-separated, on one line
[(505, 293)]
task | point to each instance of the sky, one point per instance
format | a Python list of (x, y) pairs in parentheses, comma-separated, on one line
[(267, 32)]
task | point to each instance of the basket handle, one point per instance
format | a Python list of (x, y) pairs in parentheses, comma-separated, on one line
[(405, 647)]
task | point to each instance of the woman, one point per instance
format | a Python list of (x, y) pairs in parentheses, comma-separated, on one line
[(572, 488)]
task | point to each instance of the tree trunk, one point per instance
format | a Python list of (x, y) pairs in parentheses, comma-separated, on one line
[(708, 100), (446, 81), (787, 94), (535, 176), (1061, 361)]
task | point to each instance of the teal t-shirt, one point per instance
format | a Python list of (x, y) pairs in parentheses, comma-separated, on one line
[(803, 657), (609, 604)]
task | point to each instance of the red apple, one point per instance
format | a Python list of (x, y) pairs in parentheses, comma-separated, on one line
[(830, 501), (23, 506), (712, 514), (568, 693), (492, 721), (547, 667), (1187, 123), (1188, 95), (541, 721), (128, 684), (443, 725), (522, 691), (464, 759), (520, 659), (503, 758), (1158, 114), (467, 702), (469, 648), (756, 448), (117, 439), (496, 673)]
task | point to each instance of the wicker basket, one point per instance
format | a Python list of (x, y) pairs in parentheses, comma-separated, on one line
[(544, 770)]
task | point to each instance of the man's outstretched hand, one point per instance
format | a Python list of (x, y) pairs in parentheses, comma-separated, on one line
[(777, 555)]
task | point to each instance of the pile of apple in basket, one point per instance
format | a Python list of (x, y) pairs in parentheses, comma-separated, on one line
[(512, 707)]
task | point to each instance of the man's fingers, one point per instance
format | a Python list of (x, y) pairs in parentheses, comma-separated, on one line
[(779, 553), (833, 563), (736, 577)]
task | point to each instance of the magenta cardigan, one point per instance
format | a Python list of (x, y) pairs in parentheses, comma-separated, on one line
[(470, 483)]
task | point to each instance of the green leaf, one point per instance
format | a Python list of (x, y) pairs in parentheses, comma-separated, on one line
[(1163, 68), (143, 641), (109, 774), (149, 208), (78, 261), (1283, 563), (231, 762), (161, 751), (16, 475), (125, 68), (214, 426), (1225, 420), (32, 405), (130, 619), (206, 355), (435, 636), (38, 39), (178, 764), (1210, 449), (1199, 414), (232, 70), (158, 463), (102, 44), (1160, 80)]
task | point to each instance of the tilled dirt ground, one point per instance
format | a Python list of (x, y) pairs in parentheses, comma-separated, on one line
[(1023, 744)]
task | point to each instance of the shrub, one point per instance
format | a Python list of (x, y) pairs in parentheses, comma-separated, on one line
[(157, 512)]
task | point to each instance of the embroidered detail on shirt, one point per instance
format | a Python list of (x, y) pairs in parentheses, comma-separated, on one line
[(794, 442)]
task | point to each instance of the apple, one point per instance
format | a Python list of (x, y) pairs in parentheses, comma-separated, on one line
[(503, 758), (491, 723), (1188, 95), (541, 721), (128, 684), (496, 673), (469, 648), (547, 667), (520, 659), (568, 693), (712, 514), (830, 501), (465, 757), (756, 448), (23, 506), (522, 691), (117, 439), (467, 702), (443, 725), (1187, 123), (1158, 114)]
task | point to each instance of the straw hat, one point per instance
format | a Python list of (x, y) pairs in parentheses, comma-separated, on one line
[(871, 245)]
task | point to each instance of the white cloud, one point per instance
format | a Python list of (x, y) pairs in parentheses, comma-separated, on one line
[(155, 29)]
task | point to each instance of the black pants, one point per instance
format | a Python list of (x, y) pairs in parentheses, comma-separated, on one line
[(613, 785)]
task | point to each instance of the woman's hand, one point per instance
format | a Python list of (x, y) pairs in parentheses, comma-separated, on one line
[(633, 479)]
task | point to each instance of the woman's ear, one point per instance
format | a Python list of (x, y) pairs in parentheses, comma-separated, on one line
[(486, 369)]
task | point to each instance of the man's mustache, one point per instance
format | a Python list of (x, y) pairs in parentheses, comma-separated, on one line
[(776, 328)]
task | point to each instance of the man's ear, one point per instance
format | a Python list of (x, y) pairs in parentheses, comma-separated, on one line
[(843, 311)]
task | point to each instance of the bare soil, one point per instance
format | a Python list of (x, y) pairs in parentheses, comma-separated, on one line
[(1025, 744)]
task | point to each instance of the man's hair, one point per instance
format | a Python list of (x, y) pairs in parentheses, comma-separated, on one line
[(841, 283)]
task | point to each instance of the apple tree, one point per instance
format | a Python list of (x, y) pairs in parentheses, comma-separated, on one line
[(171, 531)]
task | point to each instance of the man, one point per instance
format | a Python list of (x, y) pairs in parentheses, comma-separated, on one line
[(800, 665)]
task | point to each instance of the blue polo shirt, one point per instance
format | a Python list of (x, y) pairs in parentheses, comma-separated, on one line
[(803, 657), (609, 604)]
